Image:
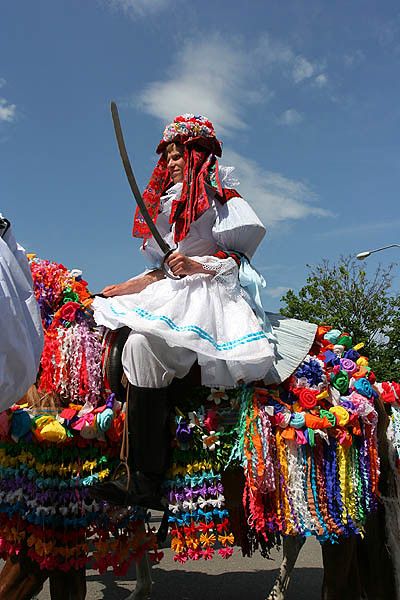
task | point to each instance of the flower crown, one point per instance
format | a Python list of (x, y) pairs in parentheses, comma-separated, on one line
[(189, 125), (187, 128)]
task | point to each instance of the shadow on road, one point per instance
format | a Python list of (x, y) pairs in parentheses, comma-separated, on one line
[(194, 585)]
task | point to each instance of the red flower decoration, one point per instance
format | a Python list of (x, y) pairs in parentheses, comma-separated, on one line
[(307, 398), (225, 552), (68, 311), (390, 392), (211, 422)]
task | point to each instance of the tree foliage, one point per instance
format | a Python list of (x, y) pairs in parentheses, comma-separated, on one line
[(342, 295)]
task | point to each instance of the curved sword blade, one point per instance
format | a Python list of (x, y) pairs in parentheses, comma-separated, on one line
[(132, 181)]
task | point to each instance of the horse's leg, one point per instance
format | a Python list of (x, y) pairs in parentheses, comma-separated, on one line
[(291, 548), (375, 562), (68, 586), (341, 575), (144, 582), (20, 579)]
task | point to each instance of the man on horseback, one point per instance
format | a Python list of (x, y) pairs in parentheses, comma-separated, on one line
[(209, 311), (21, 333)]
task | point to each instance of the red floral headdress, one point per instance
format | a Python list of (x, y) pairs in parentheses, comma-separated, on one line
[(201, 148)]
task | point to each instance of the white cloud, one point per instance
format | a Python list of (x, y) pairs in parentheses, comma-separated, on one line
[(273, 51), (359, 229), (290, 117), (213, 78), (275, 198), (298, 68), (138, 8), (321, 80), (276, 292), (353, 59), (7, 111), (302, 69), (219, 78), (388, 31)]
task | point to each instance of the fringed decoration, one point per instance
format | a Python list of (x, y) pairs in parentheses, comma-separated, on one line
[(51, 455)]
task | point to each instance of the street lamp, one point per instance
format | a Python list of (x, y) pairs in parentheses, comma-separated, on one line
[(362, 255)]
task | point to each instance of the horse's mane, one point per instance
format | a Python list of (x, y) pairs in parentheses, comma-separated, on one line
[(40, 400)]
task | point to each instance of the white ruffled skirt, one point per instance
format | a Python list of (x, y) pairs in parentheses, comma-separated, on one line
[(203, 314)]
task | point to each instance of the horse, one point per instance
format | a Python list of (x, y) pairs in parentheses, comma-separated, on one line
[(364, 564), (233, 482), (20, 579)]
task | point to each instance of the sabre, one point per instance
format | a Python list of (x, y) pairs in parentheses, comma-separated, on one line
[(163, 245)]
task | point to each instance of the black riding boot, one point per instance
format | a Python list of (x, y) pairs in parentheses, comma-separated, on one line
[(149, 444)]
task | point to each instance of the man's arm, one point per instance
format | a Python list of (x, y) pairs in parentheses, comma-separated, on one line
[(133, 286)]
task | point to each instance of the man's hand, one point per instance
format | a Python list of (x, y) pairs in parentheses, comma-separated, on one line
[(132, 286), (183, 265)]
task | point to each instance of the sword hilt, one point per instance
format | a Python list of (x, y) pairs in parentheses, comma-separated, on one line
[(166, 268)]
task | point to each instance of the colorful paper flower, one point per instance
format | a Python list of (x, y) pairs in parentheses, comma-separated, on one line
[(217, 395), (211, 441)]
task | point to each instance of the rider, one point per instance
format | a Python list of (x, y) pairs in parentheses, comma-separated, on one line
[(202, 315), (21, 333)]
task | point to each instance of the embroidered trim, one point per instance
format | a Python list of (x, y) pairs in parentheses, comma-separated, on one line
[(212, 266), (230, 254), (246, 339)]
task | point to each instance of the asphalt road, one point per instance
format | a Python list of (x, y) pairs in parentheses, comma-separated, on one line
[(234, 579)]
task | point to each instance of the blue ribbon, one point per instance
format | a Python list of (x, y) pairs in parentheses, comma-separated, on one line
[(253, 282)]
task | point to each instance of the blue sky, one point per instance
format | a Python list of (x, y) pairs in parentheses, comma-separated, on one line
[(305, 96)]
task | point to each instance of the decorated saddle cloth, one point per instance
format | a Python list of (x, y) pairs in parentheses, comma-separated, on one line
[(212, 315)]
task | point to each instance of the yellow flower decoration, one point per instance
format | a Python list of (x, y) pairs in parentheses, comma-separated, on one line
[(176, 545), (226, 539), (207, 539)]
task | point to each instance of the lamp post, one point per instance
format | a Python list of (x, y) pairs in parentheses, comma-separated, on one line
[(362, 255)]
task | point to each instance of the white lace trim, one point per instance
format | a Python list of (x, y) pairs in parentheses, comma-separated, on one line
[(226, 272)]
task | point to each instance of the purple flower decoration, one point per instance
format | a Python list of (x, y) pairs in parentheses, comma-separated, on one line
[(184, 431), (352, 355), (311, 370)]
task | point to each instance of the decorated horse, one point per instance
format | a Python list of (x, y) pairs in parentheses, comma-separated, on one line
[(249, 466)]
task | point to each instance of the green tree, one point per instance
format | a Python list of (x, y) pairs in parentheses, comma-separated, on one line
[(342, 295)]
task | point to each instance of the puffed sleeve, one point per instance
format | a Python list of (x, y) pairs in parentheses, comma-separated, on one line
[(237, 227), (21, 334)]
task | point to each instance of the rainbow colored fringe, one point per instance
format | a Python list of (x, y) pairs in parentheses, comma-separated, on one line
[(51, 455), (319, 486), (308, 450)]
